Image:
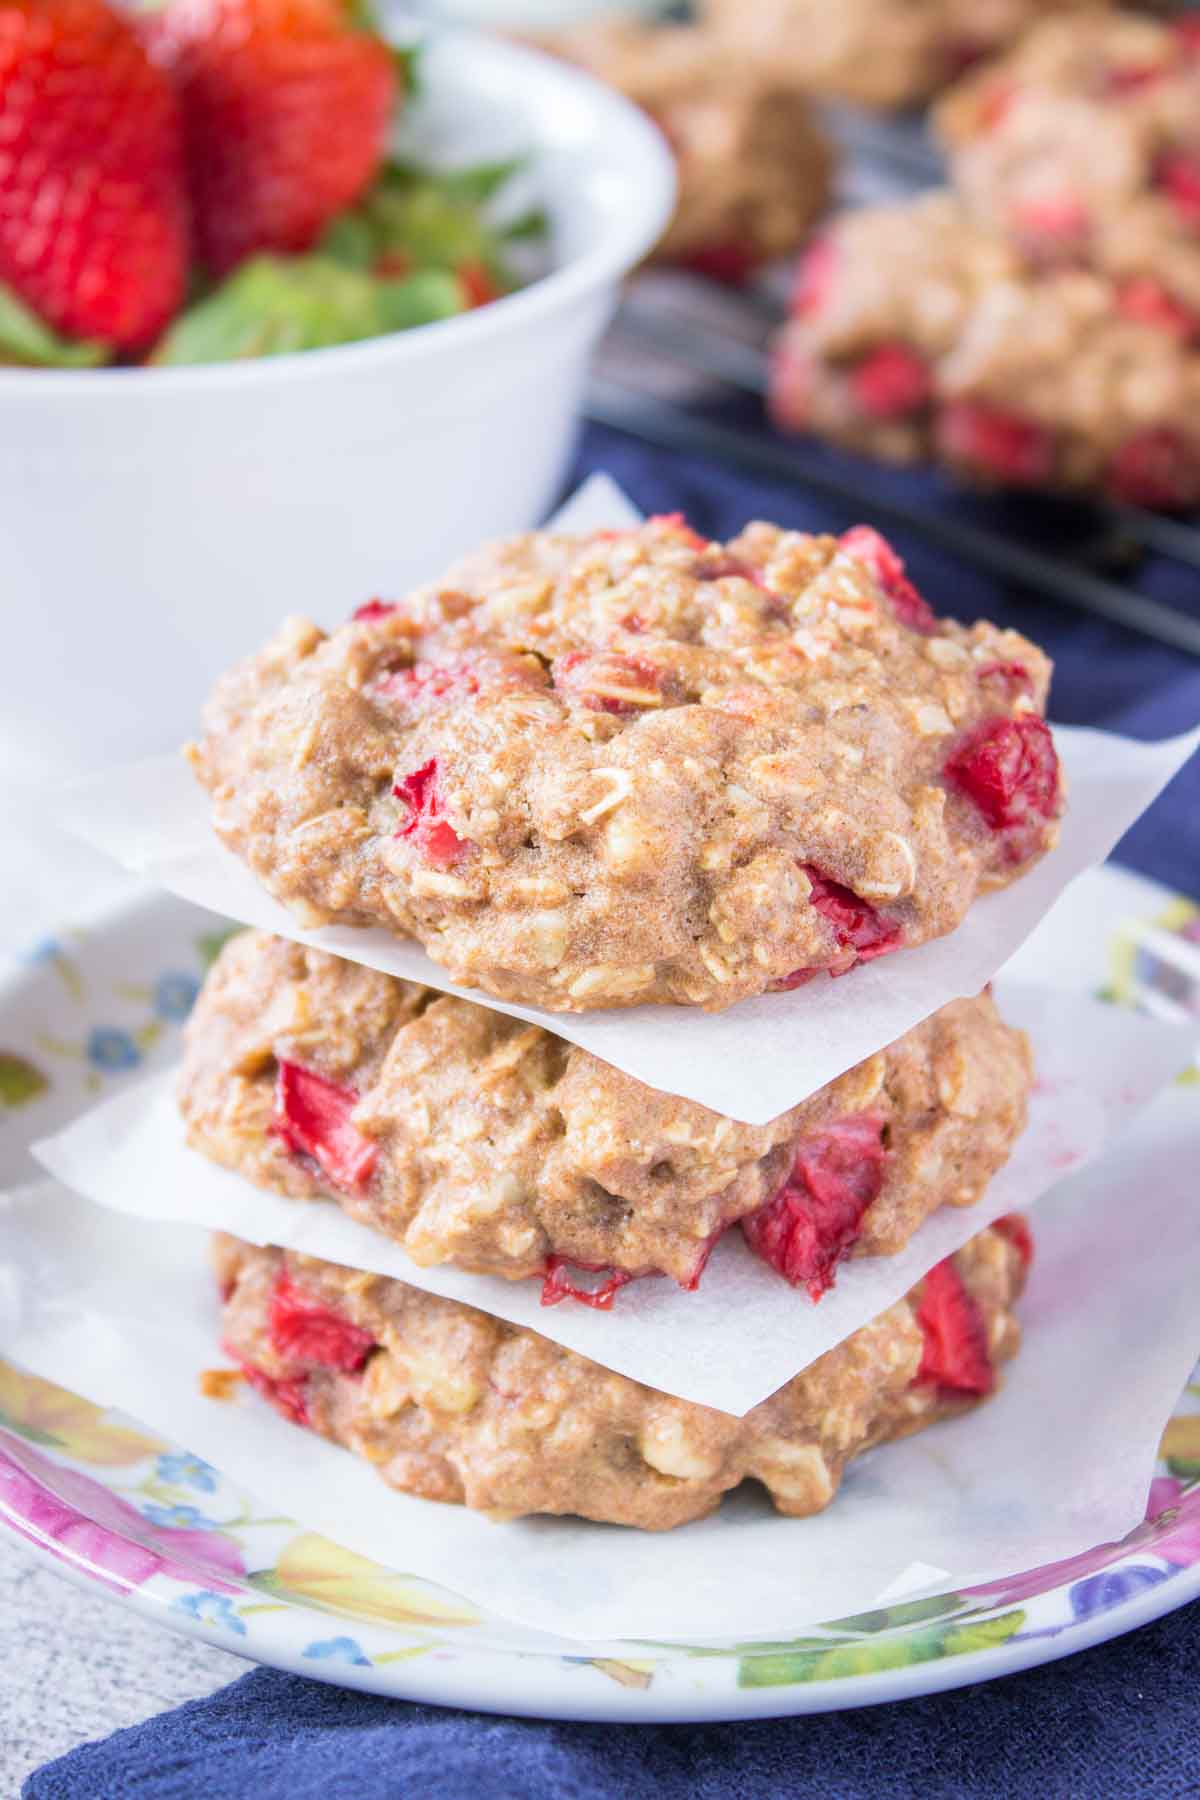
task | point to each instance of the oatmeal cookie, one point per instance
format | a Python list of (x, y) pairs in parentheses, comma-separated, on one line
[(640, 766), (754, 170), (1083, 148), (451, 1404), (879, 53), (917, 333), (475, 1139)]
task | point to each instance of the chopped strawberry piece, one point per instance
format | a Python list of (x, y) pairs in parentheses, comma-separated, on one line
[(814, 278), (1008, 768), (1052, 225), (855, 922), (305, 1331), (1157, 468), (732, 263), (955, 1353), (312, 1117), (1128, 78), (720, 567), (867, 546), (999, 444), (701, 1263), (1015, 1227), (995, 103), (814, 1219), (1187, 31), (678, 525), (422, 686), (892, 382), (478, 283), (792, 376), (787, 984), (431, 832), (1148, 301), (1011, 677), (609, 682), (374, 609), (1178, 174), (559, 1286), (287, 1397)]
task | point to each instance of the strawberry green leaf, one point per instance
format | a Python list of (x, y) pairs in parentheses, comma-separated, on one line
[(274, 305), (26, 341), (416, 218)]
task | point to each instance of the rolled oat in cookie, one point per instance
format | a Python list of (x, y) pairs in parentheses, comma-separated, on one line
[(475, 1139), (603, 770), (451, 1404), (754, 170)]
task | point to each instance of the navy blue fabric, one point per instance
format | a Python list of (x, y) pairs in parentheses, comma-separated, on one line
[(1119, 1720)]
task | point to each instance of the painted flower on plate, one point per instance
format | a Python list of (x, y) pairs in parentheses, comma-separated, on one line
[(175, 994), (50, 1415), (338, 1649), (182, 1469), (325, 1574), (112, 1050), (210, 1609), (84, 1523)]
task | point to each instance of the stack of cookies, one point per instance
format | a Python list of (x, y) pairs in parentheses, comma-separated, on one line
[(599, 771), (1038, 324)]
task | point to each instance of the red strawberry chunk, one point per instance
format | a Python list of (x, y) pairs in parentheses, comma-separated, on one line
[(995, 104), (679, 527), (1053, 225), (867, 546), (1178, 174), (855, 922), (1015, 1227), (1187, 31), (304, 1330), (955, 1353), (892, 382), (1128, 78), (814, 1219), (1000, 444), (815, 273), (559, 1286), (1011, 678), (1008, 768), (792, 378), (421, 687), (430, 831), (1148, 301), (478, 283), (287, 1397), (609, 682), (312, 1117), (732, 262), (374, 609), (1158, 468)]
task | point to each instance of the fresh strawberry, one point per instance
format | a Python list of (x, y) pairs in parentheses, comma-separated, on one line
[(286, 108), (303, 1330), (955, 1353), (93, 210), (312, 1117)]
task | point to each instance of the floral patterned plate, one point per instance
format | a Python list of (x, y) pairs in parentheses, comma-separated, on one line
[(114, 1505)]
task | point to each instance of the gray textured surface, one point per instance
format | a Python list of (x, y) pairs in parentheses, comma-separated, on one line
[(76, 1665)]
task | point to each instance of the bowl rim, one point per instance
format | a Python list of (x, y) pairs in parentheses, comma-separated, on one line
[(651, 192)]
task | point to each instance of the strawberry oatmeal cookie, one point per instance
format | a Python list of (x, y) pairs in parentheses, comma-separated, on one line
[(754, 170), (1083, 148), (641, 766), (917, 333), (475, 1139), (880, 53), (451, 1404)]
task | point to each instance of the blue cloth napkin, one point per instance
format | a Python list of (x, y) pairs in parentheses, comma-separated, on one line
[(1116, 1721)]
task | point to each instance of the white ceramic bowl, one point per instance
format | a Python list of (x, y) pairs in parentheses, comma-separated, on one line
[(157, 524)]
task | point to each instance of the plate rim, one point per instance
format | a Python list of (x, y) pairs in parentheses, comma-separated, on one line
[(491, 1678)]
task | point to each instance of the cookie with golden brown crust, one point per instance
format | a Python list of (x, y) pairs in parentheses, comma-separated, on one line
[(601, 770), (475, 1139), (451, 1404)]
